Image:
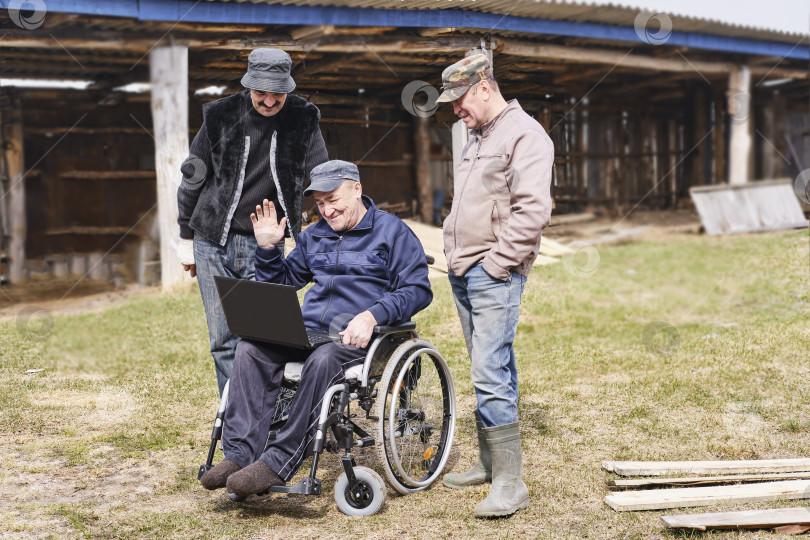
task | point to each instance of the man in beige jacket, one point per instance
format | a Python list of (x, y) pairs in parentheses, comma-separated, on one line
[(501, 204)]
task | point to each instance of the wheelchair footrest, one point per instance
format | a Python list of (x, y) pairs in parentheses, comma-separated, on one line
[(307, 486), (364, 442)]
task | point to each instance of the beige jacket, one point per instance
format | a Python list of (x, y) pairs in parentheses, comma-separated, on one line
[(502, 198)]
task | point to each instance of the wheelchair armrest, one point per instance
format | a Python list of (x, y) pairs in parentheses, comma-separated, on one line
[(410, 325)]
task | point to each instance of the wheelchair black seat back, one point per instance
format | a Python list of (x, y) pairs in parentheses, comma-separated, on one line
[(406, 390)]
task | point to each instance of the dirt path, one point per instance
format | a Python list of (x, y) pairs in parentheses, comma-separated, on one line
[(60, 297)]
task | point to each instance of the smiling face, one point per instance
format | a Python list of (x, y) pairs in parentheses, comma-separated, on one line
[(267, 103), (343, 207), (472, 107)]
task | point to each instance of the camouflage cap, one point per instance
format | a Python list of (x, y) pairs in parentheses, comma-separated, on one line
[(458, 78)]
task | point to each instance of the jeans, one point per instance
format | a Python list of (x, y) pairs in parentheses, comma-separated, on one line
[(488, 309), (236, 259)]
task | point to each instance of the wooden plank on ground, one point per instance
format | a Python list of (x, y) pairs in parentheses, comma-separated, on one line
[(704, 496), (636, 483), (566, 219), (552, 248), (621, 237), (748, 519), (753, 207), (432, 243), (747, 466)]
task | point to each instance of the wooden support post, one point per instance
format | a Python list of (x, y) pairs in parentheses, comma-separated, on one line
[(423, 183), (673, 166), (719, 143), (580, 163), (168, 73), (739, 107), (772, 126), (460, 137), (700, 176), (14, 199), (652, 174), (595, 137)]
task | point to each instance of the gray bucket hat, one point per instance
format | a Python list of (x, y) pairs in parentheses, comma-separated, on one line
[(328, 176), (269, 71)]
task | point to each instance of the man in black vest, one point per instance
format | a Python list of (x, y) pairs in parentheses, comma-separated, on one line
[(258, 144)]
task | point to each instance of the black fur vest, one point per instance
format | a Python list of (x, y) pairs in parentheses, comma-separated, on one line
[(295, 124)]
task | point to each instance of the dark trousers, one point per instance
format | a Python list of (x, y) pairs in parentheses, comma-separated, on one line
[(258, 370)]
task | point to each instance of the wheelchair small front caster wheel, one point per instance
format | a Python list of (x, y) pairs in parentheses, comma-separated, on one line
[(366, 499)]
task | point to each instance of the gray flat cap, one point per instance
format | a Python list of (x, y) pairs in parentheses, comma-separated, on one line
[(269, 71), (328, 176)]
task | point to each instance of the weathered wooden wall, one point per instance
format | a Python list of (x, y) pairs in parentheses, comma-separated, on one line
[(90, 171), (90, 182)]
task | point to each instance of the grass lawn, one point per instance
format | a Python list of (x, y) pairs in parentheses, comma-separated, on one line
[(105, 442)]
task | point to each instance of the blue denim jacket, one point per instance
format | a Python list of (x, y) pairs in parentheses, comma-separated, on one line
[(379, 266)]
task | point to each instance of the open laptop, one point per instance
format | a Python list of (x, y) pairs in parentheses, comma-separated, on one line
[(267, 312)]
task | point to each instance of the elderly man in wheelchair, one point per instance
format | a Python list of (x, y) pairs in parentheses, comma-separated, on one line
[(369, 269)]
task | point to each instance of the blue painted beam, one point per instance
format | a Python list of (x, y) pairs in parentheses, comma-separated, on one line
[(252, 13), (115, 8), (247, 13)]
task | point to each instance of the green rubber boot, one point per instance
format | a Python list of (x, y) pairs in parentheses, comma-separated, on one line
[(508, 494), (481, 472)]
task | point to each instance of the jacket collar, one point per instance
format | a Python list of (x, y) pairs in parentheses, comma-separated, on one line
[(322, 228), (487, 128)]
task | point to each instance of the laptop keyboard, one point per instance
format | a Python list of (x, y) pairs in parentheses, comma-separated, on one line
[(317, 338)]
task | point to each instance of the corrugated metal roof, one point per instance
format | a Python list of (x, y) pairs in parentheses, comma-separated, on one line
[(565, 10)]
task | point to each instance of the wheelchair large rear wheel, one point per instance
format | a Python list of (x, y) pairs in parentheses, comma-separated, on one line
[(416, 411)]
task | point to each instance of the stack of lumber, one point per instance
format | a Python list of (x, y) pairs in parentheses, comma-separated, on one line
[(742, 481), (433, 244)]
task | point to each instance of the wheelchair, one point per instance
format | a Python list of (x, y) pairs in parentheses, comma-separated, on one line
[(406, 391)]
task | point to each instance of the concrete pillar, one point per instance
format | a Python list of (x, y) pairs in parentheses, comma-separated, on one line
[(739, 110), (168, 73), (423, 181), (14, 200)]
